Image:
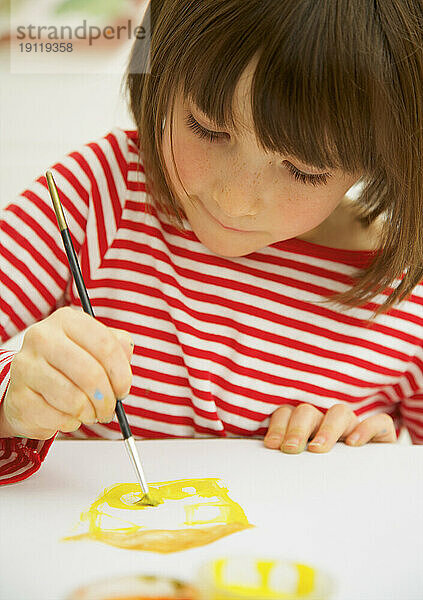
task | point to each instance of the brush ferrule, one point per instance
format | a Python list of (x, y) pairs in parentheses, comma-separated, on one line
[(135, 459)]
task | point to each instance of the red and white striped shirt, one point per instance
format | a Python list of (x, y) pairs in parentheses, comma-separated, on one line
[(220, 343)]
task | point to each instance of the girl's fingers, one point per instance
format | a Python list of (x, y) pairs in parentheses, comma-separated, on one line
[(277, 426), (304, 420), (338, 422), (289, 428), (45, 420), (88, 376), (105, 348), (59, 392), (125, 341), (377, 428)]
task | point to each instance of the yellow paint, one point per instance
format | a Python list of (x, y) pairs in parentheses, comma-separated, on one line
[(226, 587), (305, 579), (148, 500), (193, 499)]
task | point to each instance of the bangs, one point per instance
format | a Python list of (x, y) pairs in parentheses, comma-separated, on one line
[(311, 89), (336, 84)]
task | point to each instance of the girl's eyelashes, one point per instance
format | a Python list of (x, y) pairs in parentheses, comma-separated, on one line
[(213, 136), (317, 179), (202, 133)]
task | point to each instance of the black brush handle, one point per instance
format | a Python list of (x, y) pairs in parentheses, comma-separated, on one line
[(123, 421), (86, 305), (76, 272)]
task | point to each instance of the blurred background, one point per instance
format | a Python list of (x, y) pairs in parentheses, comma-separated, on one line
[(51, 103), (44, 115)]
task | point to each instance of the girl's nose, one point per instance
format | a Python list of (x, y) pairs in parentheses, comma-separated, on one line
[(242, 189), (233, 206), (238, 203)]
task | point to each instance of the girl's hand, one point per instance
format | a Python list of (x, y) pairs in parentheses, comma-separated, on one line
[(291, 427), (70, 370)]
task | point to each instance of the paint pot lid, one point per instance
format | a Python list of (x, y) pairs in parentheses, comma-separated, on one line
[(253, 578), (134, 587)]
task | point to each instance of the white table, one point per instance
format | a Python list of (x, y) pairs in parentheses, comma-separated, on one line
[(354, 512)]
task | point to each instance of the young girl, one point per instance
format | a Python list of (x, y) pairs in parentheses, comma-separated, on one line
[(223, 257)]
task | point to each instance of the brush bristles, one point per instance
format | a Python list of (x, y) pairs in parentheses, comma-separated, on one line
[(147, 500)]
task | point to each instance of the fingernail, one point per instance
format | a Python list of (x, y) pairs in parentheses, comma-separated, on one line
[(272, 439), (353, 438), (292, 441), (318, 441)]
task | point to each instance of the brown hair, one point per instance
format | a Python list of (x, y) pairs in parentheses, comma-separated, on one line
[(337, 84)]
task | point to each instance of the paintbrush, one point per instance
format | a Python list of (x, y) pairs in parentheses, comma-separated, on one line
[(86, 305)]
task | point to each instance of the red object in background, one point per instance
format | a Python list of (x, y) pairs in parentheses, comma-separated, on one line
[(135, 587), (115, 31)]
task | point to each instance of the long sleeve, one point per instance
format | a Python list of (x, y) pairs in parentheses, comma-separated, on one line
[(35, 278), (411, 407), (220, 343)]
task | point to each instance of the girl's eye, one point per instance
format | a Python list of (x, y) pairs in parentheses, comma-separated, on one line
[(200, 131), (212, 136), (318, 179)]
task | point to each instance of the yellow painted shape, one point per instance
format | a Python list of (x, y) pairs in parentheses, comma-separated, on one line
[(229, 516), (305, 579), (263, 590)]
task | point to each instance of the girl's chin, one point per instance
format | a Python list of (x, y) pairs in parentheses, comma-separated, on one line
[(226, 245)]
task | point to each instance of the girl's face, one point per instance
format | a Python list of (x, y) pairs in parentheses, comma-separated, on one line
[(242, 198)]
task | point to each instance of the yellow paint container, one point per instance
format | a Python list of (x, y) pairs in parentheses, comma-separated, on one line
[(251, 578), (135, 587)]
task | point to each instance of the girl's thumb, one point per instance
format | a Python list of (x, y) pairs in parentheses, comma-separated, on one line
[(125, 341)]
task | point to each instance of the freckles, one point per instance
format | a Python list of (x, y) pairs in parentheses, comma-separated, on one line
[(192, 163), (178, 164), (183, 164)]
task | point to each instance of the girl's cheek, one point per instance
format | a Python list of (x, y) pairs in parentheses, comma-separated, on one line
[(191, 158), (178, 165)]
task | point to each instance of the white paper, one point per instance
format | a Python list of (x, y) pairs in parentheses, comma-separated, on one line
[(356, 513)]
